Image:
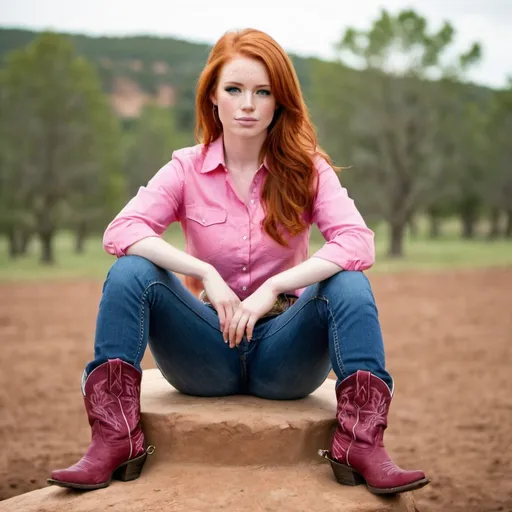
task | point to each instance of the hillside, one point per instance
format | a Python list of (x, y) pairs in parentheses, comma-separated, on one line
[(136, 69)]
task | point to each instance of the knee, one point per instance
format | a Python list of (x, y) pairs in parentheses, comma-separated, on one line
[(351, 287), (129, 270)]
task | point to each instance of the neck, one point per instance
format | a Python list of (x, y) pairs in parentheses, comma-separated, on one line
[(243, 155)]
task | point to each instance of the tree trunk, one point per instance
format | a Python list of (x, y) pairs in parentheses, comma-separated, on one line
[(14, 246), (434, 226), (468, 219), (469, 211), (413, 227), (494, 227), (396, 247), (508, 227), (80, 235), (25, 238), (47, 256)]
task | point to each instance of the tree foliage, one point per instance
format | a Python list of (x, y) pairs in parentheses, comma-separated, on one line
[(59, 140)]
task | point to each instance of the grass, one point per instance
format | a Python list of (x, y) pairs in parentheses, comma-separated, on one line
[(423, 254)]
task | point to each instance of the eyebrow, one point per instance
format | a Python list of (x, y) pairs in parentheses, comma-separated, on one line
[(238, 83)]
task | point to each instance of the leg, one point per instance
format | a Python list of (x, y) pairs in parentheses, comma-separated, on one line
[(364, 389), (334, 323), (139, 300), (142, 302), (355, 337), (288, 356)]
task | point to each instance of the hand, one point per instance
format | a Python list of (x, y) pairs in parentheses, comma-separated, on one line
[(223, 299), (250, 311)]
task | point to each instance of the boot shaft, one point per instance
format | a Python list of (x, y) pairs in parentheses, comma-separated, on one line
[(112, 397), (363, 406)]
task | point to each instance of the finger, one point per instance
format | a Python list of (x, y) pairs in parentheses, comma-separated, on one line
[(240, 329), (250, 326), (229, 318), (222, 319), (233, 326)]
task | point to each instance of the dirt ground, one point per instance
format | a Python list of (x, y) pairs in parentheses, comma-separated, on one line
[(449, 346)]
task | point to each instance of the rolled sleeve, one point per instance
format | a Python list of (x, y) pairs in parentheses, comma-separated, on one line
[(150, 212), (349, 242)]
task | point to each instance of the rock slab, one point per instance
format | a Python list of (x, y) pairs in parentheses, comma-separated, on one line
[(236, 453)]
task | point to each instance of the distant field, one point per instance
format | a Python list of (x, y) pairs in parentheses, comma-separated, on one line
[(421, 254)]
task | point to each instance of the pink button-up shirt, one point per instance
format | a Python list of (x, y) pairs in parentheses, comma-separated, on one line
[(195, 189)]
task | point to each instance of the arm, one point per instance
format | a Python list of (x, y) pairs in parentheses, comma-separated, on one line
[(223, 299), (304, 274), (138, 228), (150, 212), (349, 242), (166, 256), (349, 246)]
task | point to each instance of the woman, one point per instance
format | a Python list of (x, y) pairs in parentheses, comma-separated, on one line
[(271, 321)]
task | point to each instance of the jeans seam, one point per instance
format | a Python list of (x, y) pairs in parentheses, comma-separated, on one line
[(337, 348), (142, 310)]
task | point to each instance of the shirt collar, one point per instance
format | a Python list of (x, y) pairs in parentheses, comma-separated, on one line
[(215, 157)]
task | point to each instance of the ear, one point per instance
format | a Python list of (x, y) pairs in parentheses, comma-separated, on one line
[(213, 98)]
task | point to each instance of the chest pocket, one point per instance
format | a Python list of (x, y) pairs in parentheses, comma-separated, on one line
[(206, 230)]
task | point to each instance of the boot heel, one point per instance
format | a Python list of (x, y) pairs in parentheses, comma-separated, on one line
[(130, 470), (344, 474)]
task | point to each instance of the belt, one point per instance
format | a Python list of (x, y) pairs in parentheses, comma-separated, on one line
[(283, 302)]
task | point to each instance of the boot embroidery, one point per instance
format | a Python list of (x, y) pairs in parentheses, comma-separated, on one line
[(361, 396), (130, 401), (116, 386), (344, 409), (390, 468), (102, 405), (375, 412)]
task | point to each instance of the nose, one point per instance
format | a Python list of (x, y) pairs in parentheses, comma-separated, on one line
[(248, 104)]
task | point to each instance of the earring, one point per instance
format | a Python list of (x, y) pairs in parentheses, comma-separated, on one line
[(215, 114)]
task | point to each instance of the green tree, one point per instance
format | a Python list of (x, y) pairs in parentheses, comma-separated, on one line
[(16, 221), (498, 185), (150, 145), (59, 140), (393, 115)]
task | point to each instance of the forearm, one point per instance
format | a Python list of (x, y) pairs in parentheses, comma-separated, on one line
[(164, 255), (305, 274)]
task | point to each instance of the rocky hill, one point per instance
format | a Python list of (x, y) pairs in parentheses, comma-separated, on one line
[(137, 69)]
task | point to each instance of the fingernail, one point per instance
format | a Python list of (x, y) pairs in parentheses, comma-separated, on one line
[(225, 341)]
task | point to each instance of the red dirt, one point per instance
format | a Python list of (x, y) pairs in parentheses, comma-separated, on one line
[(449, 347)]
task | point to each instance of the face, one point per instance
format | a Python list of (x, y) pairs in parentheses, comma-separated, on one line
[(244, 99)]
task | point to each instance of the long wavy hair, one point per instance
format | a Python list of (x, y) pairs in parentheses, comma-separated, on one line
[(291, 143)]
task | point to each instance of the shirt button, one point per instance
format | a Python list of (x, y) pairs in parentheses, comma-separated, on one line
[(244, 268), (244, 288), (252, 201), (203, 221), (244, 237)]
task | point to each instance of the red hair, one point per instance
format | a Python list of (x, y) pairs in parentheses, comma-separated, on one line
[(291, 143)]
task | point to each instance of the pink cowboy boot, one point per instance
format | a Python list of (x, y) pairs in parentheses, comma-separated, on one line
[(357, 453), (112, 401)]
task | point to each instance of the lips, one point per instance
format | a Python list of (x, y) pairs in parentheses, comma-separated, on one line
[(246, 119)]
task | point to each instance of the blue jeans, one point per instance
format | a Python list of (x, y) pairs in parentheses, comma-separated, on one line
[(334, 324)]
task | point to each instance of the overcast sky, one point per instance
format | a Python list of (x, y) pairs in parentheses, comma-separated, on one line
[(308, 28)]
